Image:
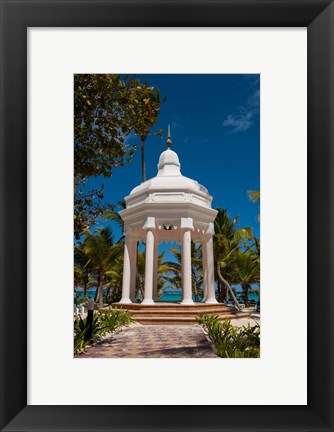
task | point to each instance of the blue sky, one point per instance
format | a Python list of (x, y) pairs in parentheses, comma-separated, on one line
[(215, 127)]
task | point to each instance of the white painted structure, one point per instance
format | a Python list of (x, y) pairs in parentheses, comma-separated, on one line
[(168, 207)]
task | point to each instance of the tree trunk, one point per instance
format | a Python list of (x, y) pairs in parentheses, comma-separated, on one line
[(195, 291), (219, 290), (141, 287), (109, 293), (223, 293), (85, 285), (245, 289), (227, 286), (100, 291), (143, 168)]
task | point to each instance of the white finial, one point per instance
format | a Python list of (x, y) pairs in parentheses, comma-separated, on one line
[(169, 140)]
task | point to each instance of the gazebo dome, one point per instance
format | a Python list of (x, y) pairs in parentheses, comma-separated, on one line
[(168, 157), (169, 185)]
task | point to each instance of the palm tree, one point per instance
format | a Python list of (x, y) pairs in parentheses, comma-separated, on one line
[(102, 253), (140, 285), (82, 268), (145, 115), (247, 271), (162, 269), (115, 280), (175, 269), (254, 196), (227, 241), (114, 216)]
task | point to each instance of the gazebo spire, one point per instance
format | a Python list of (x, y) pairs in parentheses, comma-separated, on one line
[(169, 140)]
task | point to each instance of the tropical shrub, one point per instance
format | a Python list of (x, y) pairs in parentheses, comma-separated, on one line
[(112, 320), (230, 341), (103, 323)]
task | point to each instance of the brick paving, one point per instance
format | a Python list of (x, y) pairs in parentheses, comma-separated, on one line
[(154, 341)]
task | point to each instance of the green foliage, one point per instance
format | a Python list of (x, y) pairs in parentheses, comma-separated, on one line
[(98, 263), (114, 216), (114, 319), (106, 109), (103, 323), (173, 270), (144, 107), (236, 253), (230, 341), (102, 254), (246, 271), (144, 112), (254, 196), (81, 341), (140, 283)]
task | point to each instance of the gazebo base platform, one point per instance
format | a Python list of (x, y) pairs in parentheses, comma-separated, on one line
[(162, 313)]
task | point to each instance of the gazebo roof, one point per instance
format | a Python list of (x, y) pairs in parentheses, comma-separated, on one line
[(169, 186), (169, 199)]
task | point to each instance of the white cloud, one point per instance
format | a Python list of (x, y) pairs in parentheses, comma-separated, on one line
[(243, 119)]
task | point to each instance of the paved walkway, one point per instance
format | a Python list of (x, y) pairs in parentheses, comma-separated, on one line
[(154, 341)]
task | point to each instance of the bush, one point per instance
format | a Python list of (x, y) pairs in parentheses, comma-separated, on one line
[(102, 323), (230, 341), (112, 320)]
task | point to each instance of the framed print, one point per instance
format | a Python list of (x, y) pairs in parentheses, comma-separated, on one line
[(288, 386), (235, 137)]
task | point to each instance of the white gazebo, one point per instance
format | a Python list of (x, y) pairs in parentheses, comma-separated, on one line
[(168, 207)]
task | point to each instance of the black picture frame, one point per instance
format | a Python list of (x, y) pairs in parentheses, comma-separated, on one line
[(16, 17)]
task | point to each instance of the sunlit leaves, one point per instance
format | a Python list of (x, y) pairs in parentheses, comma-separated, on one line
[(106, 109)]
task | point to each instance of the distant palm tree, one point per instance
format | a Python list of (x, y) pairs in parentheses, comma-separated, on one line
[(115, 279), (140, 285), (246, 271), (81, 268), (227, 241), (145, 116), (175, 269), (102, 253), (114, 216)]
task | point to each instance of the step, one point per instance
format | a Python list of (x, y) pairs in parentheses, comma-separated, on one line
[(176, 310), (176, 320), (175, 313), (140, 314), (171, 306)]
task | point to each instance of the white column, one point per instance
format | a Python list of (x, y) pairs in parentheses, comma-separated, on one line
[(210, 272), (133, 267), (205, 272), (126, 271), (186, 267), (155, 271), (149, 259)]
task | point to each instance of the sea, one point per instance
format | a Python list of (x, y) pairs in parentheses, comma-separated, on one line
[(169, 296)]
